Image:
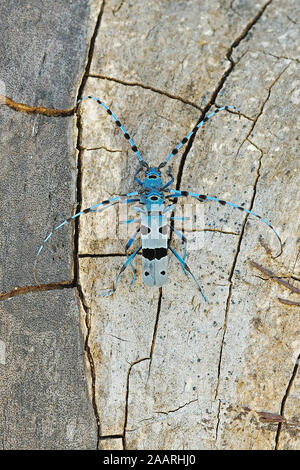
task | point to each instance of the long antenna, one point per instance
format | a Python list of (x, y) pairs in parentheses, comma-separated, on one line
[(186, 138), (117, 122)]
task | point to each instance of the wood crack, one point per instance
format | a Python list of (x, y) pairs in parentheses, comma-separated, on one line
[(146, 87), (76, 231), (261, 110), (127, 397), (232, 272), (27, 109), (102, 147), (218, 420), (36, 288), (155, 329), (278, 57), (91, 361), (220, 85), (284, 400), (178, 408)]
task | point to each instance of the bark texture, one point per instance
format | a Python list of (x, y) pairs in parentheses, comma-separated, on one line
[(163, 369)]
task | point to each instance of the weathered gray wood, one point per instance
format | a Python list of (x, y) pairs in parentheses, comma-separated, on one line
[(37, 191), (179, 373), (43, 50), (164, 371), (44, 401)]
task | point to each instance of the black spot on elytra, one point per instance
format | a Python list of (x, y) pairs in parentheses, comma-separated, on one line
[(163, 230), (145, 230), (148, 253), (160, 252), (154, 253)]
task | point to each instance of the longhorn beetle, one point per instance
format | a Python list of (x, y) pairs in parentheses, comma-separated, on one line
[(153, 197)]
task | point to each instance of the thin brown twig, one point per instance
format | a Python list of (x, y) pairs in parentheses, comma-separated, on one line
[(271, 275)]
